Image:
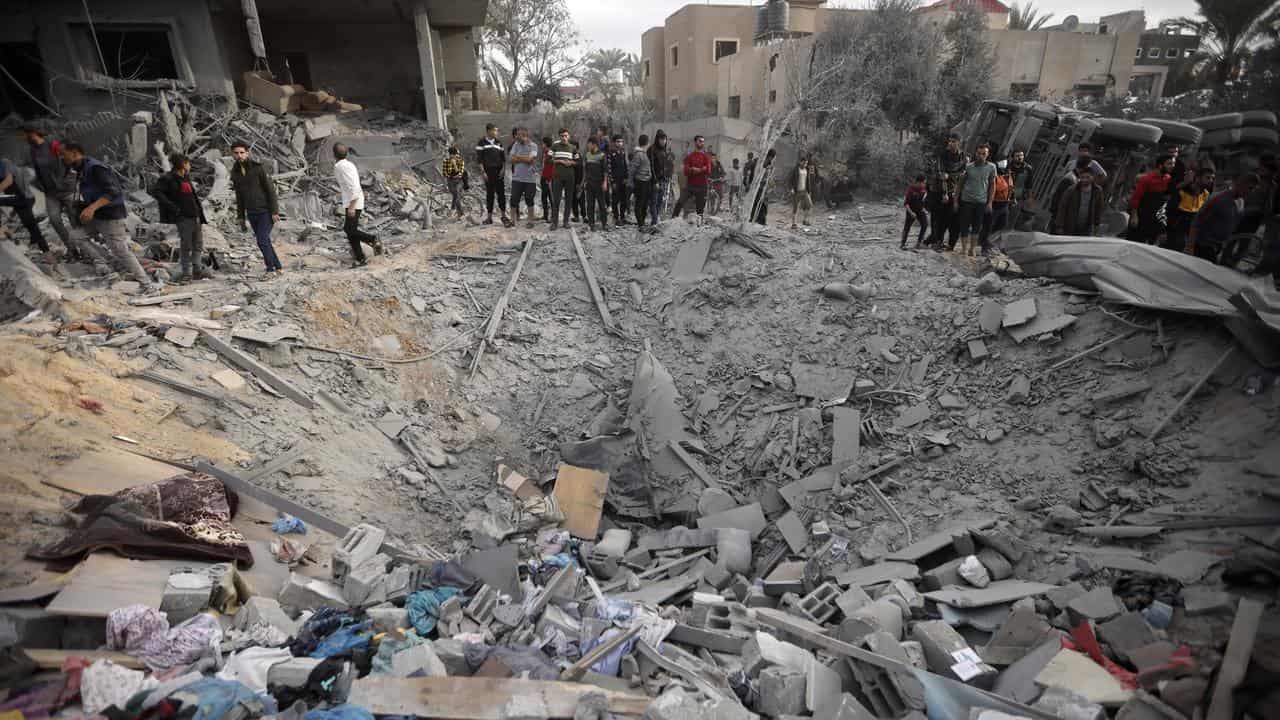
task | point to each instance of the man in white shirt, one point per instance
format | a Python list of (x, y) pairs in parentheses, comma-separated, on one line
[(348, 177)]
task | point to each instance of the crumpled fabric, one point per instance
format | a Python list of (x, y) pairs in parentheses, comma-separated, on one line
[(288, 524), (448, 573), (424, 608), (387, 649), (320, 625), (340, 712), (520, 659), (44, 699), (250, 666), (611, 663), (104, 684), (614, 609), (344, 640), (218, 699), (259, 634), (144, 633)]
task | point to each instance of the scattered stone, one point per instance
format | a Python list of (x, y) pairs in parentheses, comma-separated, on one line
[(989, 284), (1063, 519), (973, 571)]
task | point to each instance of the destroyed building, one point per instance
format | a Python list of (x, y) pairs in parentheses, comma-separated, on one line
[(79, 58)]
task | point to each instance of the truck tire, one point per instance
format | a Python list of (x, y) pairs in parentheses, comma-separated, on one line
[(1176, 132), (1258, 119), (1128, 131), (1225, 121), (1260, 136), (1221, 138)]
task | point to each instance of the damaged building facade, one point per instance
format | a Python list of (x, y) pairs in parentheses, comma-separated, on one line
[(414, 56)]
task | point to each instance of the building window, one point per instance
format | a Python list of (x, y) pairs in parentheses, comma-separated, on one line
[(675, 103), (773, 62), (137, 52), (646, 70), (773, 96), (735, 106), (675, 56), (1171, 53), (723, 48), (1153, 53), (1024, 91), (1102, 29), (1138, 54)]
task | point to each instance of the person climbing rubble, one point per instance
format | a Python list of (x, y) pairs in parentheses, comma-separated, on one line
[(45, 158), (915, 202), (103, 211), (14, 194), (256, 203), (348, 177)]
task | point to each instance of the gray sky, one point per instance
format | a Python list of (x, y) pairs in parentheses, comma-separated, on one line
[(606, 24)]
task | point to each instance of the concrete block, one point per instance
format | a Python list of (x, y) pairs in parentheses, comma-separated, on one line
[(404, 580), (997, 565), (852, 599), (718, 576), (947, 573), (1203, 601), (846, 708), (674, 704), (906, 591), (292, 673), (361, 543), (822, 686), (733, 549), (782, 691), (1066, 705), (763, 650), (387, 618), (1126, 633), (614, 543), (417, 661), (260, 608), (820, 604), (1098, 605), (482, 604), (366, 583), (889, 694), (788, 577), (884, 614), (33, 627), (305, 593), (453, 654), (947, 653)]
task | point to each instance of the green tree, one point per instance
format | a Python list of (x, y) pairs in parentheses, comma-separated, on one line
[(965, 78), (610, 71), (527, 41), (540, 89), (1027, 17), (1229, 30)]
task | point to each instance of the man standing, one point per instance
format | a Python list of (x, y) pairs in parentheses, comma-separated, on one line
[(798, 186), (697, 171), (717, 183), (546, 178), (619, 169), (1217, 220), (180, 205), (348, 177), (945, 189), (640, 172), (733, 179), (104, 212), (524, 175), (595, 181), (256, 202), (1080, 208), (1020, 172), (1149, 194), (663, 164), (51, 179), (564, 183), (973, 202), (14, 194), (1001, 198), (1187, 200), (579, 170), (493, 159)]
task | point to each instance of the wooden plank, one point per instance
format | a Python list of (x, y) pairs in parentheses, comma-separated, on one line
[(103, 472), (307, 515), (479, 698), (693, 464), (499, 308), (260, 371), (1244, 630), (579, 493), (605, 316), (161, 299), (156, 377), (47, 659), (575, 671), (958, 691), (104, 582)]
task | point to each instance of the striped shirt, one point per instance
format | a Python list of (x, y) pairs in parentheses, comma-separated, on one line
[(490, 154), (562, 151)]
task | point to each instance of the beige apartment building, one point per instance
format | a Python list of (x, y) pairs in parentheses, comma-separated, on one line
[(739, 53)]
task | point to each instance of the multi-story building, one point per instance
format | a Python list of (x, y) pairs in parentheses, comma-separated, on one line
[(1161, 53)]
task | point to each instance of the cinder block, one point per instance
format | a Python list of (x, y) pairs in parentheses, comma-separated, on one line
[(33, 627), (266, 610), (482, 604), (185, 595), (292, 673), (366, 583), (947, 653), (361, 543), (388, 617), (781, 691), (419, 660), (305, 593), (821, 603)]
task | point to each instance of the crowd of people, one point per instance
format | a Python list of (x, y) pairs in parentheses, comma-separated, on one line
[(964, 200), (589, 182)]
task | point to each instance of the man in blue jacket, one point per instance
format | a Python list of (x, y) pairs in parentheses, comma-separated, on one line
[(104, 210)]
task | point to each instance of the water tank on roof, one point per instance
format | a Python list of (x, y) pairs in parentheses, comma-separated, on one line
[(772, 17)]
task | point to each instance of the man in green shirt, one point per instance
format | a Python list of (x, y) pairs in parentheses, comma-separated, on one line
[(563, 181), (973, 202)]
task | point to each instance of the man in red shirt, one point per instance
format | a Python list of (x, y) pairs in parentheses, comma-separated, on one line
[(1149, 194), (697, 171)]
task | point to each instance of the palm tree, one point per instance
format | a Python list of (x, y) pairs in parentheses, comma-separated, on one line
[(1028, 17), (1228, 29)]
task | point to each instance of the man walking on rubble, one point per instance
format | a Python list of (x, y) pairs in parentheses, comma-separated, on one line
[(563, 186), (662, 163), (524, 175), (493, 159), (52, 180), (104, 211), (256, 202), (14, 194), (640, 173), (618, 172), (798, 184), (180, 205), (348, 177)]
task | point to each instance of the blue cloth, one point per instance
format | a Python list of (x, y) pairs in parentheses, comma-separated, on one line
[(611, 663), (340, 712), (214, 698), (289, 524), (424, 608), (344, 640)]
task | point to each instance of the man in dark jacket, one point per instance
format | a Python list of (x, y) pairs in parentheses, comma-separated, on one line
[(595, 184), (1080, 208), (104, 211), (492, 157), (256, 202), (180, 205), (618, 169), (14, 194), (51, 179), (1217, 220), (662, 165)]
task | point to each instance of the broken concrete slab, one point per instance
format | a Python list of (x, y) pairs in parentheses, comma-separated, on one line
[(989, 317), (1077, 672), (229, 379), (1204, 601), (879, 573), (936, 541), (1018, 312), (1004, 591), (977, 350), (1041, 325), (1098, 605), (748, 517), (947, 654), (1125, 633), (914, 415), (1018, 681), (782, 691), (260, 371), (1023, 630), (691, 258), (306, 593), (1187, 566), (182, 337), (846, 433), (793, 531), (822, 383)]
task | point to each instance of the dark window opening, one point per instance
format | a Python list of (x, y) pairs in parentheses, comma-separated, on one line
[(773, 63), (1024, 91), (128, 52), (725, 48), (675, 57), (773, 96), (675, 103), (297, 69), (735, 106), (646, 69), (22, 60)]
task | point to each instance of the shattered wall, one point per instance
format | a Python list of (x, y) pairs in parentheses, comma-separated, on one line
[(74, 82), (1057, 61)]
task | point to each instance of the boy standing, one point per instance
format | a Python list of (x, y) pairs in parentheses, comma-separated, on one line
[(733, 178), (492, 157), (916, 213), (455, 174)]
